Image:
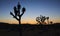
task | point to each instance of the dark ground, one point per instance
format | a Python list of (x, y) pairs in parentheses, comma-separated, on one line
[(29, 30)]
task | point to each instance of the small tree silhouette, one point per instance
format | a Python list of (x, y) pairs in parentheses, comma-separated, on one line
[(38, 20), (18, 13), (42, 19)]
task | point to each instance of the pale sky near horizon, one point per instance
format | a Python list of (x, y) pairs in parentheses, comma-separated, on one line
[(34, 8)]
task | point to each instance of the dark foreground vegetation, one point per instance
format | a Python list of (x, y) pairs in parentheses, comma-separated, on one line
[(29, 30)]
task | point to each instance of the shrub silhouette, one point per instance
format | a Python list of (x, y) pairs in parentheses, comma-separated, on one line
[(17, 12), (51, 22)]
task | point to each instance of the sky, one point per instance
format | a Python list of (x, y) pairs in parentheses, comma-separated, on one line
[(34, 8)]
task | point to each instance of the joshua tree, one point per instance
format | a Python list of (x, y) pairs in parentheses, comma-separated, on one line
[(41, 19), (18, 13), (38, 20)]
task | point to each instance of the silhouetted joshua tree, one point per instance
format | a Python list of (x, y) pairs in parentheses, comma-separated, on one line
[(38, 20), (18, 13), (42, 19)]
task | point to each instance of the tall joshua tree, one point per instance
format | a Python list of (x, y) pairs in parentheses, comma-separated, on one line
[(17, 14)]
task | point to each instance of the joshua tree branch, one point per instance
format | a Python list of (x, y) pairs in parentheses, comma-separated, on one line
[(21, 14), (14, 16)]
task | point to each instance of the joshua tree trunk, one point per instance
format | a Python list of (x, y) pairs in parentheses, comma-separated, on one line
[(19, 21)]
